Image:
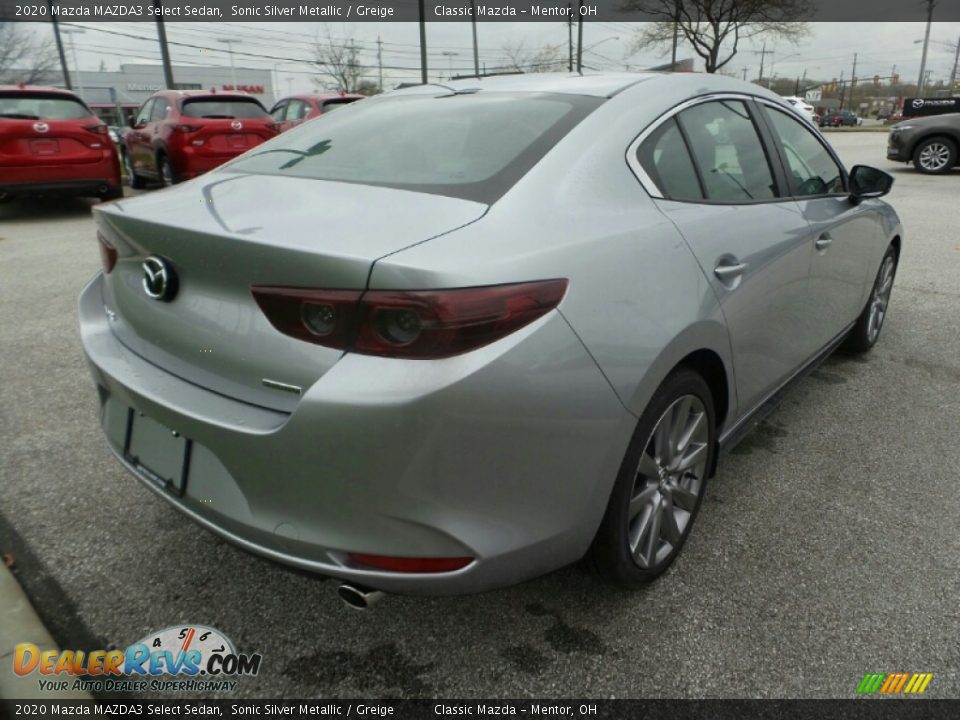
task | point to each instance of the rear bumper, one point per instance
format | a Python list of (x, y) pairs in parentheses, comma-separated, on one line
[(88, 187), (506, 455), (79, 179)]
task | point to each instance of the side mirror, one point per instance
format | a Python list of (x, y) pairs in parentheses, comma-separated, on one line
[(868, 182), (131, 120)]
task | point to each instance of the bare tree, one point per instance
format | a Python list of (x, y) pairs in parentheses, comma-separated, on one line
[(23, 57), (338, 62), (547, 58), (714, 28)]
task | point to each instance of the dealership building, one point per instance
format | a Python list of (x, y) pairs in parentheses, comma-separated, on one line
[(114, 95)]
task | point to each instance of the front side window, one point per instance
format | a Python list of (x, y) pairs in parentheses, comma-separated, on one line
[(813, 170), (279, 113), (161, 109), (473, 146), (728, 152), (143, 117)]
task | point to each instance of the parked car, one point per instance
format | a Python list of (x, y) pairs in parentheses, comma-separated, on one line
[(883, 114), (52, 143), (465, 334), (291, 111), (802, 107), (843, 118), (177, 135), (930, 143)]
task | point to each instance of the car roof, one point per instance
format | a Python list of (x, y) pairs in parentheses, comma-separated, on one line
[(38, 88), (594, 84)]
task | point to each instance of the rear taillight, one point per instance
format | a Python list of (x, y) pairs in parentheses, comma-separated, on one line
[(419, 325), (274, 127), (182, 128), (97, 130), (409, 564), (108, 254)]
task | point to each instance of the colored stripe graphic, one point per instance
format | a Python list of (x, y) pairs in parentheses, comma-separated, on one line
[(894, 683)]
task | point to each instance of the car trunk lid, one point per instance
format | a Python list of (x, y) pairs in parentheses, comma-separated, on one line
[(225, 232)]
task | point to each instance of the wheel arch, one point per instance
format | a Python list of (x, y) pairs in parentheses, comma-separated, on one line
[(935, 133)]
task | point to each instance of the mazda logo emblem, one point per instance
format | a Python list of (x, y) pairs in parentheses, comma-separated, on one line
[(159, 279), (41, 127), (236, 125)]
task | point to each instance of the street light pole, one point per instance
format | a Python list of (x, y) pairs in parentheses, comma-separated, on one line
[(956, 62), (70, 32), (233, 69), (926, 44)]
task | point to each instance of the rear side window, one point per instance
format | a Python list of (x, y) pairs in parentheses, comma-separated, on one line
[(40, 106), (813, 170), (474, 146), (225, 108), (665, 159), (728, 153)]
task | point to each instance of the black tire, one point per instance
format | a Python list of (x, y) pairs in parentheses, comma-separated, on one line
[(5, 198), (863, 337), (133, 180), (935, 155), (165, 171), (114, 192), (611, 554)]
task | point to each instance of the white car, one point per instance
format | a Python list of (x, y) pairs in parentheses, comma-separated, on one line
[(803, 108)]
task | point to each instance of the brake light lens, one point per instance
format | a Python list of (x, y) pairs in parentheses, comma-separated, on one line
[(275, 127), (97, 130), (418, 325), (409, 564), (183, 128), (108, 254)]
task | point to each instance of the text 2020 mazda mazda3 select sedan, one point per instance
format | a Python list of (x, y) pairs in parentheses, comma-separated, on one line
[(460, 335)]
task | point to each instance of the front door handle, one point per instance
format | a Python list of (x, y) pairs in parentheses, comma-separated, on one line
[(824, 241), (727, 272)]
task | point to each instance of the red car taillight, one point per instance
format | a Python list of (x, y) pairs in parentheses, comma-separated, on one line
[(420, 325), (108, 254), (409, 564), (182, 128), (97, 130)]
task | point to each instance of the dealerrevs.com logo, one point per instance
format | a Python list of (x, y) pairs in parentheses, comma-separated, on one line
[(182, 658)]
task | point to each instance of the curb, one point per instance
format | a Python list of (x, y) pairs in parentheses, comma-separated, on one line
[(19, 623)]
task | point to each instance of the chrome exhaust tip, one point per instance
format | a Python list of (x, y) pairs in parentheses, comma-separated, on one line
[(357, 596)]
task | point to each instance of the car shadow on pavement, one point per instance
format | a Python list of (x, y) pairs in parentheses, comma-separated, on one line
[(44, 209)]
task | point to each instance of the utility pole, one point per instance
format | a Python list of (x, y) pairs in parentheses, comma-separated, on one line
[(164, 50), (423, 45), (744, 74), (676, 33), (380, 62), (763, 56), (853, 80), (476, 51), (233, 68), (580, 40), (843, 90), (60, 52), (956, 62), (570, 35), (926, 44)]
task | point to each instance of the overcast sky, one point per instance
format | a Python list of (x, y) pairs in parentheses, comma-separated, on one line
[(282, 47)]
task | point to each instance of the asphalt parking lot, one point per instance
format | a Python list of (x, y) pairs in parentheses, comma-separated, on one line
[(828, 545)]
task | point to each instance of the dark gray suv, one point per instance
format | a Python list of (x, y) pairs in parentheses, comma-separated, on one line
[(930, 143)]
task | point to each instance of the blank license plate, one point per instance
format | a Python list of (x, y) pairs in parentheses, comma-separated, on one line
[(159, 453), (44, 147)]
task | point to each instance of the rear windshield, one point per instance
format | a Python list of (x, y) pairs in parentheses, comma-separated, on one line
[(40, 106), (330, 105), (472, 146), (223, 108)]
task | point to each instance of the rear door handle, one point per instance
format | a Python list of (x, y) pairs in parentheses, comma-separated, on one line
[(824, 241), (727, 272)]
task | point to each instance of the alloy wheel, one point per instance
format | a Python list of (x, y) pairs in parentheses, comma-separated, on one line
[(669, 480), (880, 298), (934, 157)]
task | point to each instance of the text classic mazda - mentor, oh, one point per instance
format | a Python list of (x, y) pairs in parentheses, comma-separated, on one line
[(456, 336)]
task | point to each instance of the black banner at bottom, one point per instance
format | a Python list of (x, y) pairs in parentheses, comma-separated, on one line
[(581, 709)]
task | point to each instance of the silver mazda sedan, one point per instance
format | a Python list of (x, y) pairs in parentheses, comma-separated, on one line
[(460, 335)]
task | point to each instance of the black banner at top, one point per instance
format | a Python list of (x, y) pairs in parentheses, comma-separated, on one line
[(446, 10)]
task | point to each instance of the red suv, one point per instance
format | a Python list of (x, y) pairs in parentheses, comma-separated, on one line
[(291, 111), (177, 135), (51, 143)]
